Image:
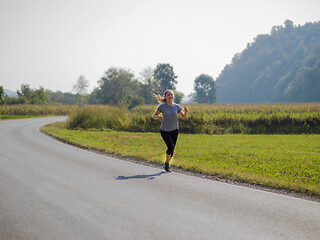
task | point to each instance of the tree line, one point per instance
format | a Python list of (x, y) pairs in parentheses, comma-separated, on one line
[(283, 66), (118, 87), (27, 95)]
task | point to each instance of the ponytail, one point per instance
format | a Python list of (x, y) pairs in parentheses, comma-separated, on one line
[(161, 99)]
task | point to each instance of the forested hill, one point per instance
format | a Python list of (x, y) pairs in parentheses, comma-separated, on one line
[(283, 66)]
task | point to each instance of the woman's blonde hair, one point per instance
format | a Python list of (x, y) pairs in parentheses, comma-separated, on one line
[(161, 99)]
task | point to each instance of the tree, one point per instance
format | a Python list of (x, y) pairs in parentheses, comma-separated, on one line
[(30, 96), (116, 85), (26, 91), (165, 75), (95, 96), (288, 24), (24, 95), (39, 96), (80, 88), (149, 85), (276, 67), (205, 89), (2, 99), (177, 96), (132, 101), (60, 97)]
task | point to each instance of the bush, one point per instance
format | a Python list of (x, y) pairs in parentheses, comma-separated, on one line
[(208, 119)]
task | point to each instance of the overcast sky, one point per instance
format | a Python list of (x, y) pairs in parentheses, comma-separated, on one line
[(50, 43)]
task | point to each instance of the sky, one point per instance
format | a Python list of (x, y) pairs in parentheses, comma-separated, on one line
[(50, 43)]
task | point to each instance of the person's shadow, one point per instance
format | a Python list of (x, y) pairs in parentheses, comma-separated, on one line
[(149, 176)]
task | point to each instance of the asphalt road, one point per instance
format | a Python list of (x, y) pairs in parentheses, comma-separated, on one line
[(49, 190)]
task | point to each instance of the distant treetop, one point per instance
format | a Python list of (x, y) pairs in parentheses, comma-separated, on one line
[(283, 66)]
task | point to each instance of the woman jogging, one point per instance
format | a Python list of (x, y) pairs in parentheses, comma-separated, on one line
[(169, 122)]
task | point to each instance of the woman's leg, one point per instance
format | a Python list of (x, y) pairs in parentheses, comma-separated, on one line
[(174, 137), (168, 158), (170, 146), (170, 138)]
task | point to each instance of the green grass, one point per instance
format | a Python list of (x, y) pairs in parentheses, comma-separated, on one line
[(290, 162), (28, 110), (11, 117)]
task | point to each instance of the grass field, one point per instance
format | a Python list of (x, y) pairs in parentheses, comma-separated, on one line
[(28, 110), (290, 162)]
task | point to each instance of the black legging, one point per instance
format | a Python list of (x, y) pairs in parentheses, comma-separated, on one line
[(170, 138)]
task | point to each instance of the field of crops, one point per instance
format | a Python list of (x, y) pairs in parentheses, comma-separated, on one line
[(22, 111), (302, 118)]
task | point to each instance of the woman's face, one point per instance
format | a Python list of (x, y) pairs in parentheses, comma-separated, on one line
[(169, 96)]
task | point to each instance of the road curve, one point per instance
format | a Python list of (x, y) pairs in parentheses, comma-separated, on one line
[(49, 190)]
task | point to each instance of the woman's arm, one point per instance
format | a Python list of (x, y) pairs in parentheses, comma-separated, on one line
[(184, 114), (157, 116)]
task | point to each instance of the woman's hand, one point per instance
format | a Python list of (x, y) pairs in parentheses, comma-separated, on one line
[(157, 116), (160, 118), (184, 114)]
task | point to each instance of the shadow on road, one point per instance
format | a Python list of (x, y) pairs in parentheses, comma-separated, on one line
[(149, 177)]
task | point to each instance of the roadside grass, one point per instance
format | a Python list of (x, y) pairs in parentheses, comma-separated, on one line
[(289, 162)]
